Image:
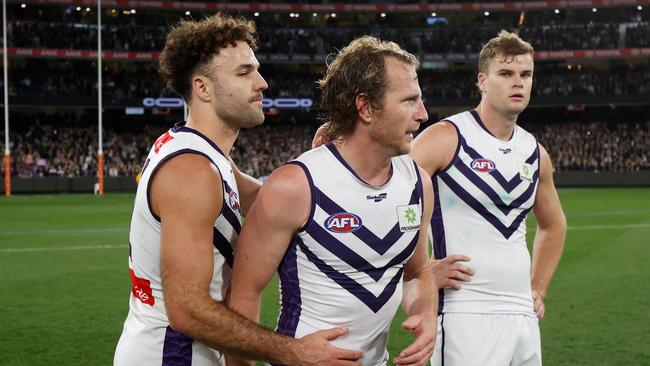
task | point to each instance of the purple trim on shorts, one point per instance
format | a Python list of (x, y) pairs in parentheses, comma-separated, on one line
[(160, 164), (442, 346), (478, 119), (314, 194), (223, 246), (375, 303), (338, 156), (291, 303), (177, 349)]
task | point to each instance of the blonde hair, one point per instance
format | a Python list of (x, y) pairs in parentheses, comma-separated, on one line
[(505, 44)]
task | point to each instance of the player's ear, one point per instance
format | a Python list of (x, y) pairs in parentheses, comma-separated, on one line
[(200, 88), (364, 107), (480, 81)]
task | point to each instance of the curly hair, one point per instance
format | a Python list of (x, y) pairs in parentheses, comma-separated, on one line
[(358, 69), (191, 45), (506, 44)]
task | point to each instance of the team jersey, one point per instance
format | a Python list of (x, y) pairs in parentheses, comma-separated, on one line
[(147, 338), (344, 267), (482, 199)]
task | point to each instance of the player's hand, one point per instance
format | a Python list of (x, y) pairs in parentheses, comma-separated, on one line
[(449, 272), (538, 304), (320, 137), (419, 352), (315, 350)]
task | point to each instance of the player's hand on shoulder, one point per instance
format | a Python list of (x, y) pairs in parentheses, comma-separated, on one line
[(449, 272), (419, 352), (315, 349)]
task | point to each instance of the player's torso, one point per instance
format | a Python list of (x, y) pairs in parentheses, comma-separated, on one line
[(482, 200), (147, 317), (345, 267)]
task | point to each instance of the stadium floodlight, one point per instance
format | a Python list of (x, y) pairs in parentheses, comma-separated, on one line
[(333, 15), (556, 11), (23, 5), (639, 7), (78, 8), (87, 9), (434, 14), (187, 12), (132, 11), (314, 15), (593, 10), (256, 14), (487, 13), (383, 15)]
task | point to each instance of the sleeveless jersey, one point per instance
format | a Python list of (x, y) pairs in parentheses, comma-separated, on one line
[(344, 267), (481, 202), (147, 338)]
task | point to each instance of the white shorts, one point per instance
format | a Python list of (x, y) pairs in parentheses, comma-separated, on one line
[(466, 339)]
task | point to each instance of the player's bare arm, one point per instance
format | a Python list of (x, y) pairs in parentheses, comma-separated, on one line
[(549, 237), (281, 208), (248, 188), (433, 150), (186, 194), (420, 297)]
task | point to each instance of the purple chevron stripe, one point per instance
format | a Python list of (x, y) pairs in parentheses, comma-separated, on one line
[(312, 188), (223, 246), (508, 185), (485, 188), (375, 303), (177, 349), (534, 156), (290, 289), (439, 242), (353, 259), (380, 245), (506, 231)]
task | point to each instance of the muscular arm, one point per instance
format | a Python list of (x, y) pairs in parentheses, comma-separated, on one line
[(186, 194), (248, 188), (280, 210), (549, 237), (420, 298)]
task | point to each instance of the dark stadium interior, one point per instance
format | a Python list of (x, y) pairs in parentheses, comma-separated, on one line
[(590, 104)]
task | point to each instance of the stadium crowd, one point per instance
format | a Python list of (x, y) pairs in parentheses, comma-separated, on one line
[(321, 41), (140, 80), (45, 149)]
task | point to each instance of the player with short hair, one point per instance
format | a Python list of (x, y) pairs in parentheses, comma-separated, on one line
[(346, 224), (488, 173), (188, 210)]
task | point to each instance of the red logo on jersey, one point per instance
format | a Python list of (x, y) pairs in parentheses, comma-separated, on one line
[(161, 141), (141, 289), (343, 222), (483, 165), (234, 202)]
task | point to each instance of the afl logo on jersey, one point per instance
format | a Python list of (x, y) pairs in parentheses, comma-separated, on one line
[(343, 222), (233, 200), (483, 165)]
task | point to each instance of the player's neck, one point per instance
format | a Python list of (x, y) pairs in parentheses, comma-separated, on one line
[(206, 122), (500, 125), (369, 161)]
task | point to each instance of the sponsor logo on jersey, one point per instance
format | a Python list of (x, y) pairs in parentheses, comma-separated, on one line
[(505, 151), (234, 200), (483, 165), (161, 141), (343, 222), (377, 197), (141, 289), (409, 218)]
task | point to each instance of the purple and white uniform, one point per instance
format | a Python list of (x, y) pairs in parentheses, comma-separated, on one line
[(345, 265), (147, 338), (481, 202)]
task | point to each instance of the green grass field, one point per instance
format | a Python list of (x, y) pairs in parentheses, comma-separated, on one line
[(64, 282)]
